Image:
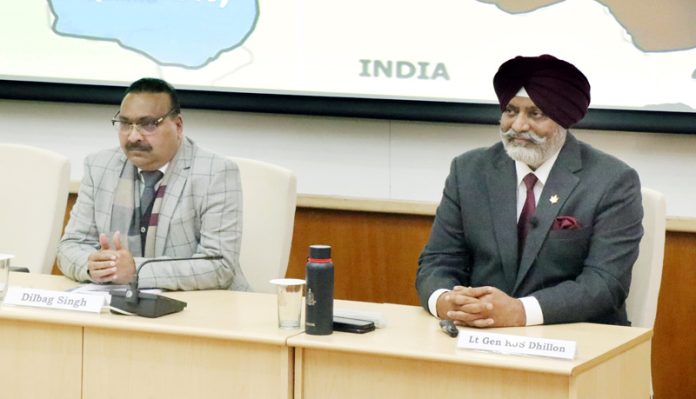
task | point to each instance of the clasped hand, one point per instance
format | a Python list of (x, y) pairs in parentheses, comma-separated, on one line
[(111, 264), (481, 307)]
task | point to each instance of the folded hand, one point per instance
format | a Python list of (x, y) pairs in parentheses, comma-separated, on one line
[(481, 307)]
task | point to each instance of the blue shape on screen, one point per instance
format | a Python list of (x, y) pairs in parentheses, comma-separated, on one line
[(187, 33)]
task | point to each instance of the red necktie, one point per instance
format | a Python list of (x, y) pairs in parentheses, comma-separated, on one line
[(527, 212)]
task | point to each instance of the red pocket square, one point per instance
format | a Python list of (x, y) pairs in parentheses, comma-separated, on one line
[(566, 223)]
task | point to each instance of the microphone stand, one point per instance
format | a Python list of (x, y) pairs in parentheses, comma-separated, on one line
[(150, 305)]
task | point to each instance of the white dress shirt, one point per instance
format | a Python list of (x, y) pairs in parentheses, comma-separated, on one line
[(163, 169)]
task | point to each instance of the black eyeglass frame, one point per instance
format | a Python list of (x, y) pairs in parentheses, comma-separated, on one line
[(146, 127)]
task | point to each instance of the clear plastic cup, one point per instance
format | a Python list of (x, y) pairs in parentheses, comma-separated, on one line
[(289, 302)]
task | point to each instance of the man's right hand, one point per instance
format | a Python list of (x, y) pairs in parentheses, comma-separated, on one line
[(101, 265), (111, 264)]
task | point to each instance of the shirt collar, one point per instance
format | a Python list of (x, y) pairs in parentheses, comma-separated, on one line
[(542, 172), (163, 169)]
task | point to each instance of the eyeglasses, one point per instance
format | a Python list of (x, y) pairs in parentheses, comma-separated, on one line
[(146, 126)]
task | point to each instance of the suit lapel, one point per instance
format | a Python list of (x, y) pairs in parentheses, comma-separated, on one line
[(104, 209), (501, 182), (560, 184), (172, 196)]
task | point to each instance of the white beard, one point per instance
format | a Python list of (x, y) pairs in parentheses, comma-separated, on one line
[(537, 151)]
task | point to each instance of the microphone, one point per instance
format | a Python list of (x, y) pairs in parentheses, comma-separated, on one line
[(533, 222), (146, 304)]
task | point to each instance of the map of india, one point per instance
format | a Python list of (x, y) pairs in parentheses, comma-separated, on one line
[(667, 27), (186, 33)]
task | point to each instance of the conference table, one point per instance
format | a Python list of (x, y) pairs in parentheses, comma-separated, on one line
[(412, 358), (226, 344)]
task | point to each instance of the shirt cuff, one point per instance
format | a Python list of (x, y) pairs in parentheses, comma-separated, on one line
[(83, 275), (532, 310), (432, 301)]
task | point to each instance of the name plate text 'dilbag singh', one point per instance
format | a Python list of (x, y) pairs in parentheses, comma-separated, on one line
[(54, 299)]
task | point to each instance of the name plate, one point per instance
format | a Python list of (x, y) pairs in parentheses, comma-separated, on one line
[(516, 345), (54, 299)]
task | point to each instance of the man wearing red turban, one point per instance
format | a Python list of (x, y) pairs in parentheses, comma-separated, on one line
[(539, 228)]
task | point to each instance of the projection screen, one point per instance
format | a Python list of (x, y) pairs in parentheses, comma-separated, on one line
[(404, 59)]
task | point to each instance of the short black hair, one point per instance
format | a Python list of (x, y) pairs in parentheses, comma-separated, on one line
[(154, 85)]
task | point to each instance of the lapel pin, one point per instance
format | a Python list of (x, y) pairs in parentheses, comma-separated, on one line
[(553, 199)]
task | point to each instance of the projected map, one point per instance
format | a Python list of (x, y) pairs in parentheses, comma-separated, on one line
[(187, 33), (636, 55)]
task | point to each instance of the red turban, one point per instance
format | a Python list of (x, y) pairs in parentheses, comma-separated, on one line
[(557, 87)]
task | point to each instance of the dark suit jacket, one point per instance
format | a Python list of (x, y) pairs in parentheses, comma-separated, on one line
[(576, 275)]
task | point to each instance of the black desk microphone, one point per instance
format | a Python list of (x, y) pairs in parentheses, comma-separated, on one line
[(150, 305), (449, 328)]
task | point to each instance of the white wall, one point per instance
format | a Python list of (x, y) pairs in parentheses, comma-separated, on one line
[(365, 158)]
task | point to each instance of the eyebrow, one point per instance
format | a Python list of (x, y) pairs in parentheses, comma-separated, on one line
[(531, 108), (535, 108), (138, 120)]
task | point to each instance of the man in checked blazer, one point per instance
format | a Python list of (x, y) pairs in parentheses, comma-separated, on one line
[(194, 205), (570, 257)]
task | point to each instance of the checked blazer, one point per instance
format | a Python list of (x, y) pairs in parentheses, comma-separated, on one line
[(201, 214)]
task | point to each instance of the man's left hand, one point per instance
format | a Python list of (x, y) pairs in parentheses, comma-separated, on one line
[(505, 311)]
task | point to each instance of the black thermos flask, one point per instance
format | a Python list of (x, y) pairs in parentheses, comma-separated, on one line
[(320, 286)]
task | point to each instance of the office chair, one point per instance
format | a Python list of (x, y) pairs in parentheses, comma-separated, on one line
[(269, 194), (641, 304), (34, 184)]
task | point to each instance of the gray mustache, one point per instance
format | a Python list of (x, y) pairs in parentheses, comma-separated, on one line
[(511, 134)]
